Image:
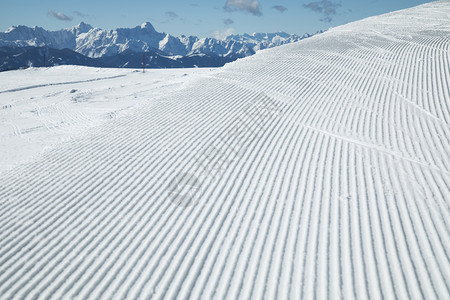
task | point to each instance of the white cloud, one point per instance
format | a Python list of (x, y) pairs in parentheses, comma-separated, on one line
[(80, 14), (324, 7), (228, 21), (59, 15), (251, 6), (222, 34), (171, 14), (280, 8)]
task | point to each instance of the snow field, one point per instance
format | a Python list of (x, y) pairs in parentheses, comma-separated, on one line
[(337, 188)]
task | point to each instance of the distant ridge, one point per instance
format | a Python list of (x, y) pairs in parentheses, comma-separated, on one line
[(122, 43), (96, 42), (13, 58)]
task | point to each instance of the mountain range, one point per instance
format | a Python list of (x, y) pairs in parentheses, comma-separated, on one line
[(22, 46)]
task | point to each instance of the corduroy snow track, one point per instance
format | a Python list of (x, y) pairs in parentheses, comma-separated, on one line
[(319, 169)]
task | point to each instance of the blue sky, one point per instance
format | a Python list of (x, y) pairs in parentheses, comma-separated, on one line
[(197, 17)]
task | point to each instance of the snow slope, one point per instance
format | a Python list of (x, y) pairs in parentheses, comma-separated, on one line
[(316, 169), (41, 107)]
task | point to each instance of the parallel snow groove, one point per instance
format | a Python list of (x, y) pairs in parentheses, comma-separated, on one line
[(338, 186)]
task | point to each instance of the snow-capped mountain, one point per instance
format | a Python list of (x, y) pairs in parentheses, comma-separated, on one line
[(257, 41), (96, 42), (12, 58)]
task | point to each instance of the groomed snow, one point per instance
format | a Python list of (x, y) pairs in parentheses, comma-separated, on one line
[(41, 107), (316, 169)]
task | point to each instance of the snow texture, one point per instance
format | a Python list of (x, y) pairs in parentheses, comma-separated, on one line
[(318, 169)]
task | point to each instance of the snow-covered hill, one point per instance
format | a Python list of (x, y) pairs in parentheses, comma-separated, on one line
[(96, 42), (41, 107), (318, 169)]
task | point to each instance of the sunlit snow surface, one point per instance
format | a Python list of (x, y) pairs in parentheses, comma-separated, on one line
[(42, 107), (320, 168)]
